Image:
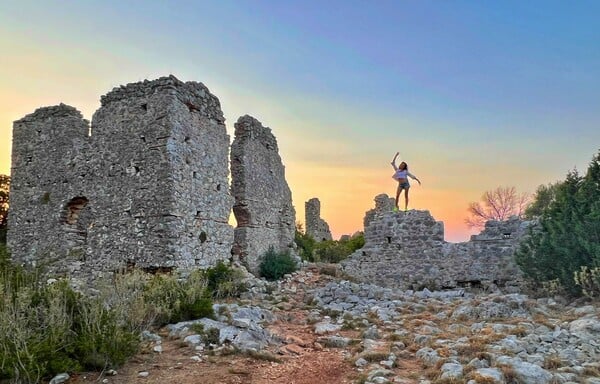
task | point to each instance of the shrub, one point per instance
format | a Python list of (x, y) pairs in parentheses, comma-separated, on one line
[(274, 265), (589, 281), (306, 245), (224, 281)]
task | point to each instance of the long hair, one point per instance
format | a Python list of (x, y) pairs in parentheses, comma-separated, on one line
[(405, 166)]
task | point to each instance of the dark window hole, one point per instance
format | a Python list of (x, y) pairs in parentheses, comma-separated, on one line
[(203, 237), (389, 239), (218, 187), (73, 208), (144, 107), (187, 139), (195, 175), (143, 139)]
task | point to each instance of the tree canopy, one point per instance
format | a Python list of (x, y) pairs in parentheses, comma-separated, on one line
[(568, 235)]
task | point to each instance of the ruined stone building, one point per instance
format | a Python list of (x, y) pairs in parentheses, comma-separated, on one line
[(146, 184), (263, 200), (315, 225), (407, 250)]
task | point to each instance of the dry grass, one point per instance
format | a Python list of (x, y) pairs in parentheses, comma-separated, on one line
[(509, 374), (552, 362), (481, 379), (374, 356)]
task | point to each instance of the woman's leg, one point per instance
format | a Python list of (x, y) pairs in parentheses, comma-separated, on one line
[(406, 199), (398, 192)]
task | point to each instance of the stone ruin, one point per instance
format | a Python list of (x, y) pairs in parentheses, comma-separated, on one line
[(263, 200), (407, 250), (315, 225), (145, 185)]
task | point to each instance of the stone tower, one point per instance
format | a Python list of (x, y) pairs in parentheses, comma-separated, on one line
[(263, 201), (315, 225), (146, 187)]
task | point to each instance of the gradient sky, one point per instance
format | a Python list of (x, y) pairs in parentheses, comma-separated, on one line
[(474, 95)]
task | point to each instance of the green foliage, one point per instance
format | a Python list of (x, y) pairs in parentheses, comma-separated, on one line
[(544, 195), (274, 265), (47, 328), (334, 251), (589, 281), (224, 281), (568, 237), (306, 245)]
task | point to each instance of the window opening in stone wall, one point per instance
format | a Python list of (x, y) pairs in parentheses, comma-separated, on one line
[(203, 237), (73, 209), (144, 107), (389, 239), (218, 187), (194, 175), (76, 221)]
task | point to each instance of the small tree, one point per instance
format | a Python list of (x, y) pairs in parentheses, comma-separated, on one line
[(4, 189), (498, 204), (544, 195)]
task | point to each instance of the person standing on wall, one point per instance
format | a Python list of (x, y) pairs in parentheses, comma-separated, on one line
[(401, 176)]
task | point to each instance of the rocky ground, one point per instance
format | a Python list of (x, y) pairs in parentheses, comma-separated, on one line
[(313, 328)]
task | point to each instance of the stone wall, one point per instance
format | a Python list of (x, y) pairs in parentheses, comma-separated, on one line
[(315, 225), (407, 250), (147, 188), (263, 201), (383, 203)]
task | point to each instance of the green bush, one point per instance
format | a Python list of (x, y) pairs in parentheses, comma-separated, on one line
[(224, 281), (568, 236), (334, 251), (46, 328), (306, 245), (274, 265)]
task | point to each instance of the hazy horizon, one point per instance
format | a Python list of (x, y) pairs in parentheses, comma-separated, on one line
[(473, 95)]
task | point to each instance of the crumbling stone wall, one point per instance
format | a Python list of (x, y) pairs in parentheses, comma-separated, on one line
[(407, 250), (315, 225), (383, 203), (148, 187), (263, 200)]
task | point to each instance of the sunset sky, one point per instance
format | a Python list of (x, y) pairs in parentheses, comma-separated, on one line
[(473, 94)]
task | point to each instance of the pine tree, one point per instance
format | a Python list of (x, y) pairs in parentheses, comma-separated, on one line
[(568, 236)]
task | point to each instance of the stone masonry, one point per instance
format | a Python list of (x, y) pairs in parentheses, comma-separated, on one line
[(315, 225), (145, 186), (263, 201), (383, 203), (407, 250)]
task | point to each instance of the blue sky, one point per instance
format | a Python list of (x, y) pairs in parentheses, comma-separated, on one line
[(473, 94)]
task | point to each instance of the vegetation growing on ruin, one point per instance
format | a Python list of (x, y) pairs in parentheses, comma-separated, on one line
[(47, 327), (329, 251), (565, 248)]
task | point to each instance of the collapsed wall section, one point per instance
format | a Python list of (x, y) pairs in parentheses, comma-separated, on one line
[(315, 225), (263, 200), (407, 250), (49, 214)]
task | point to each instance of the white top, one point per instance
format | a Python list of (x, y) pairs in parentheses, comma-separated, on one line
[(403, 174)]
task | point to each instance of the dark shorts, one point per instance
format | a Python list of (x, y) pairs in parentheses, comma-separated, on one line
[(404, 184)]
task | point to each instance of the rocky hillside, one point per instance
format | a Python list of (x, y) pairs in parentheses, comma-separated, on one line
[(313, 327)]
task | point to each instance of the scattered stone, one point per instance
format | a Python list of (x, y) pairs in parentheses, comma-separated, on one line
[(60, 378)]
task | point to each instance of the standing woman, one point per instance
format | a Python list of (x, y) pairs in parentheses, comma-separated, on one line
[(401, 176)]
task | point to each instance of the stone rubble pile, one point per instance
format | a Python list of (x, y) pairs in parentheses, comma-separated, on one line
[(462, 336)]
